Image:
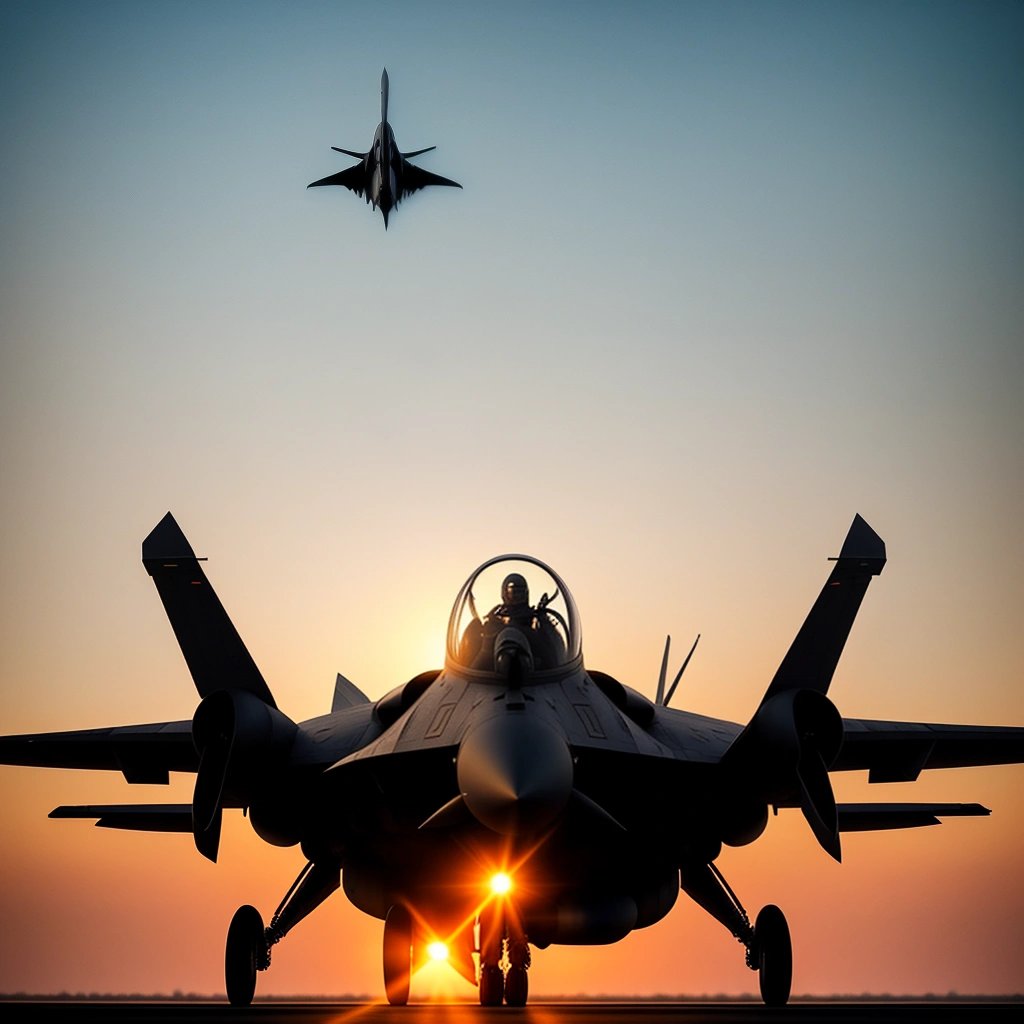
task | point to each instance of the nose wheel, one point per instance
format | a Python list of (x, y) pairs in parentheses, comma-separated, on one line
[(517, 986), (491, 985), (504, 961)]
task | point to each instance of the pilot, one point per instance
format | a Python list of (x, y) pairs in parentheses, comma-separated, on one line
[(515, 610)]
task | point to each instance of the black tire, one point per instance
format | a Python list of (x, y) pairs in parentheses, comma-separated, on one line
[(397, 955), (243, 953), (517, 985), (774, 955), (492, 985)]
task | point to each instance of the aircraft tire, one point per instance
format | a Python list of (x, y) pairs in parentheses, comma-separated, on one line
[(491, 985), (517, 985), (774, 955), (242, 954), (397, 954)]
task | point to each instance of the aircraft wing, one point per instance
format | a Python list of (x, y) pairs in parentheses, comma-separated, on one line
[(900, 751), (142, 753), (414, 178), (353, 178)]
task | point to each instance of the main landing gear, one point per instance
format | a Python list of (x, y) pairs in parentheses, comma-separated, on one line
[(248, 946), (397, 954), (768, 945), (502, 942)]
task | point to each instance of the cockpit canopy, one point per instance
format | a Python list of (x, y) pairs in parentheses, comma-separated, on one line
[(508, 597)]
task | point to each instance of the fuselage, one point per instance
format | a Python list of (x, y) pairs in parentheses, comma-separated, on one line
[(386, 158), (462, 776), (384, 161), (512, 759)]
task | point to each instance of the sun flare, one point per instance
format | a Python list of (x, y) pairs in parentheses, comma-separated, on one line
[(501, 884)]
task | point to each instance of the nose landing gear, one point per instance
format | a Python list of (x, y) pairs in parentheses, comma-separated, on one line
[(517, 986), (501, 942)]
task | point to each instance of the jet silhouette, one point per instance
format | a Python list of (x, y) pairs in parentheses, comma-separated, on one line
[(514, 798), (384, 177)]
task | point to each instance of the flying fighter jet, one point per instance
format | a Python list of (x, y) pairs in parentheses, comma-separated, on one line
[(514, 798), (384, 177)]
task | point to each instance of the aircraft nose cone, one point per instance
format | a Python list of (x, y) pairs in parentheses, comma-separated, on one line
[(515, 773)]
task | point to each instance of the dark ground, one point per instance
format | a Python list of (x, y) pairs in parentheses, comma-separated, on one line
[(189, 1012)]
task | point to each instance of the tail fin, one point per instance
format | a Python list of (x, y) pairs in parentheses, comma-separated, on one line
[(811, 660), (213, 650), (347, 695)]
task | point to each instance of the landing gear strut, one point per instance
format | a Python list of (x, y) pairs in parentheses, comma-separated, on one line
[(768, 945)]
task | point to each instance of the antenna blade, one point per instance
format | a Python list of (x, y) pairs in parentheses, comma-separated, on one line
[(664, 669), (682, 669)]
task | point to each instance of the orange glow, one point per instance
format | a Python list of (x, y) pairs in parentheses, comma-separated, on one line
[(501, 884), (437, 951)]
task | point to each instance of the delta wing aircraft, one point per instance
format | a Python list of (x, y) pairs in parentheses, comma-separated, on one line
[(514, 798), (384, 176)]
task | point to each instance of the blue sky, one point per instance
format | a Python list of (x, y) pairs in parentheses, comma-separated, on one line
[(721, 275)]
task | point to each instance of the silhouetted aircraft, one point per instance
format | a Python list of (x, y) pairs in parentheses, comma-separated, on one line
[(513, 798), (384, 177)]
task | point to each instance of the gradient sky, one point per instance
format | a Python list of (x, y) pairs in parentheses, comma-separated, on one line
[(721, 275)]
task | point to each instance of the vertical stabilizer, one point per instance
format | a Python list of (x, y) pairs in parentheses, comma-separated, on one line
[(213, 650), (812, 657)]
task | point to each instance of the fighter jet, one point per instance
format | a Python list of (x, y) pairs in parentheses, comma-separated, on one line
[(384, 177), (514, 798)]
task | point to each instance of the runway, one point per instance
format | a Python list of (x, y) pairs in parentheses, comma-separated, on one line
[(189, 1012)]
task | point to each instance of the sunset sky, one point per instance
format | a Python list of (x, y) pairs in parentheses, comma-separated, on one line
[(722, 275)]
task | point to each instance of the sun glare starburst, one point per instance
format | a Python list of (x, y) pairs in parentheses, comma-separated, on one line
[(501, 884), (437, 951)]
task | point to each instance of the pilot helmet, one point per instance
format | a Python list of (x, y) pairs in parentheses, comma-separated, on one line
[(514, 589)]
